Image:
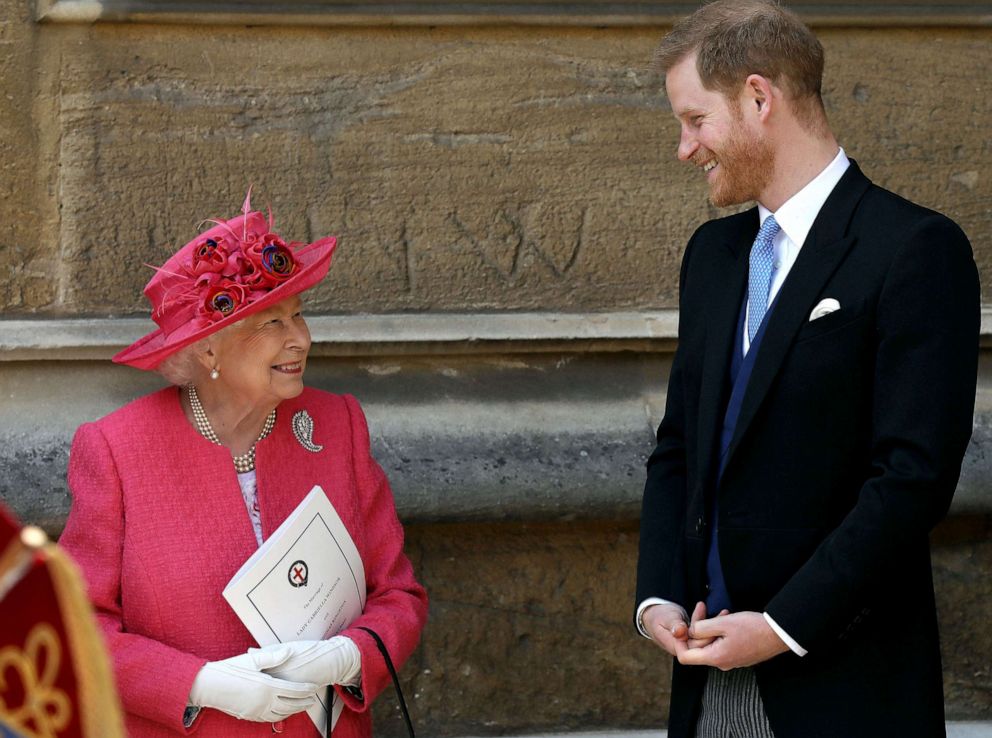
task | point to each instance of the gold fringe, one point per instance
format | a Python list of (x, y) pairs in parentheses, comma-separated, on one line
[(14, 562), (99, 709), (10, 554)]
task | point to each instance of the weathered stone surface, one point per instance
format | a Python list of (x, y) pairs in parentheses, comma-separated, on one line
[(449, 185), (33, 479), (553, 436), (914, 118), (27, 251), (529, 437), (962, 560), (462, 168), (975, 484), (530, 630), (481, 438)]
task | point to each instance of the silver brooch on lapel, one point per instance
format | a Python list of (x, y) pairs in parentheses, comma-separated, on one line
[(303, 430)]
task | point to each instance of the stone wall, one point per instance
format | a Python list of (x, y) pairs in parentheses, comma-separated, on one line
[(464, 169), (471, 173), (554, 651)]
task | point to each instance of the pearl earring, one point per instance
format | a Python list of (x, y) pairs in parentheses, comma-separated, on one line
[(214, 373)]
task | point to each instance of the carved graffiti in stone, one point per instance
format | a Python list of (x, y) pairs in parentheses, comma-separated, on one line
[(513, 238)]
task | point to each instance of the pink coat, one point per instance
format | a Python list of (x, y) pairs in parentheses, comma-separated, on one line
[(158, 526)]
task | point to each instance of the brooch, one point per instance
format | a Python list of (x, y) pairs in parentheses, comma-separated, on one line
[(303, 430)]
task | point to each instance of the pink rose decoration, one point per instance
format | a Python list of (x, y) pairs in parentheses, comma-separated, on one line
[(209, 257), (227, 272), (221, 299), (267, 262)]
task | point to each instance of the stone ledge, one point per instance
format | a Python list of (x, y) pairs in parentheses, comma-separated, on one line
[(457, 462), (387, 334), (533, 417), (372, 335), (595, 13)]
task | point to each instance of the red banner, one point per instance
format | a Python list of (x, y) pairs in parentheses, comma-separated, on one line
[(55, 679)]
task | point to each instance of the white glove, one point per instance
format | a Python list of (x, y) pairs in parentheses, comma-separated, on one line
[(239, 687), (334, 661)]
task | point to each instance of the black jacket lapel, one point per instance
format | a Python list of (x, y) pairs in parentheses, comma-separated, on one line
[(825, 248), (722, 313)]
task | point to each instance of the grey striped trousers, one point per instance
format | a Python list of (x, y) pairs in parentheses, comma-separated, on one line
[(732, 707)]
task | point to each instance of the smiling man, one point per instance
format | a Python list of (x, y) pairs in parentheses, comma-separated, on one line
[(818, 409)]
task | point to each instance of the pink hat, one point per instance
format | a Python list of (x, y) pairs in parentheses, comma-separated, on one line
[(227, 273)]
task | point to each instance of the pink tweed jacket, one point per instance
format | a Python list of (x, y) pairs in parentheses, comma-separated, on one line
[(158, 526)]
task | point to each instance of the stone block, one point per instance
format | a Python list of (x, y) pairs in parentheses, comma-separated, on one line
[(463, 168), (962, 560), (530, 630)]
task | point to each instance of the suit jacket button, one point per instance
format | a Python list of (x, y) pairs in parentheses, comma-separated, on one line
[(700, 526)]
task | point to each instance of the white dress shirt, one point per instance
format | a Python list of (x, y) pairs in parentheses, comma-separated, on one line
[(795, 219)]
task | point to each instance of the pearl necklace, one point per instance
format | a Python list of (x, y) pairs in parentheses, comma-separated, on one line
[(246, 461)]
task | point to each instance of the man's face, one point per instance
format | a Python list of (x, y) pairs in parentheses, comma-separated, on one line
[(716, 137)]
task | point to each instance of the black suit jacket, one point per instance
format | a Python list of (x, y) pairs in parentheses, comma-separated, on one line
[(846, 453)]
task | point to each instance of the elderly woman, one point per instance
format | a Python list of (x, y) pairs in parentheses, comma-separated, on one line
[(174, 491)]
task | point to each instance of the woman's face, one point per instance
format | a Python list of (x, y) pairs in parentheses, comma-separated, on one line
[(261, 358)]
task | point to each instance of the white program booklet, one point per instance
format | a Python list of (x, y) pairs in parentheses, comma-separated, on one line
[(305, 582)]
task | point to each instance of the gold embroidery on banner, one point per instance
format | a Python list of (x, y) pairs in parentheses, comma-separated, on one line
[(46, 707)]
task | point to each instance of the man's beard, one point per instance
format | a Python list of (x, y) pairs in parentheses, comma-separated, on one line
[(747, 165)]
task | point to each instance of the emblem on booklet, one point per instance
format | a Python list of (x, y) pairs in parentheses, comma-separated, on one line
[(299, 573)]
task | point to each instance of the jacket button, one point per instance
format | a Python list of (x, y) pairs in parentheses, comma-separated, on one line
[(700, 525)]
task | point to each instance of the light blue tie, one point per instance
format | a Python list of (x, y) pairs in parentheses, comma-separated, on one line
[(759, 276)]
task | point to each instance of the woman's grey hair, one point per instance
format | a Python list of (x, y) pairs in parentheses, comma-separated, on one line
[(180, 367)]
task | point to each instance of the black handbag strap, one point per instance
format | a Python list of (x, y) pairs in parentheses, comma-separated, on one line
[(392, 673)]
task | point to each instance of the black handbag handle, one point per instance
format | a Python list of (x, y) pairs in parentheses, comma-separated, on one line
[(392, 673)]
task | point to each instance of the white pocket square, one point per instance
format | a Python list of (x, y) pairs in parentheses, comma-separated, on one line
[(824, 307)]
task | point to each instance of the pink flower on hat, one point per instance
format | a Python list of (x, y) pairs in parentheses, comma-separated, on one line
[(233, 270), (210, 256), (222, 298), (268, 262)]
